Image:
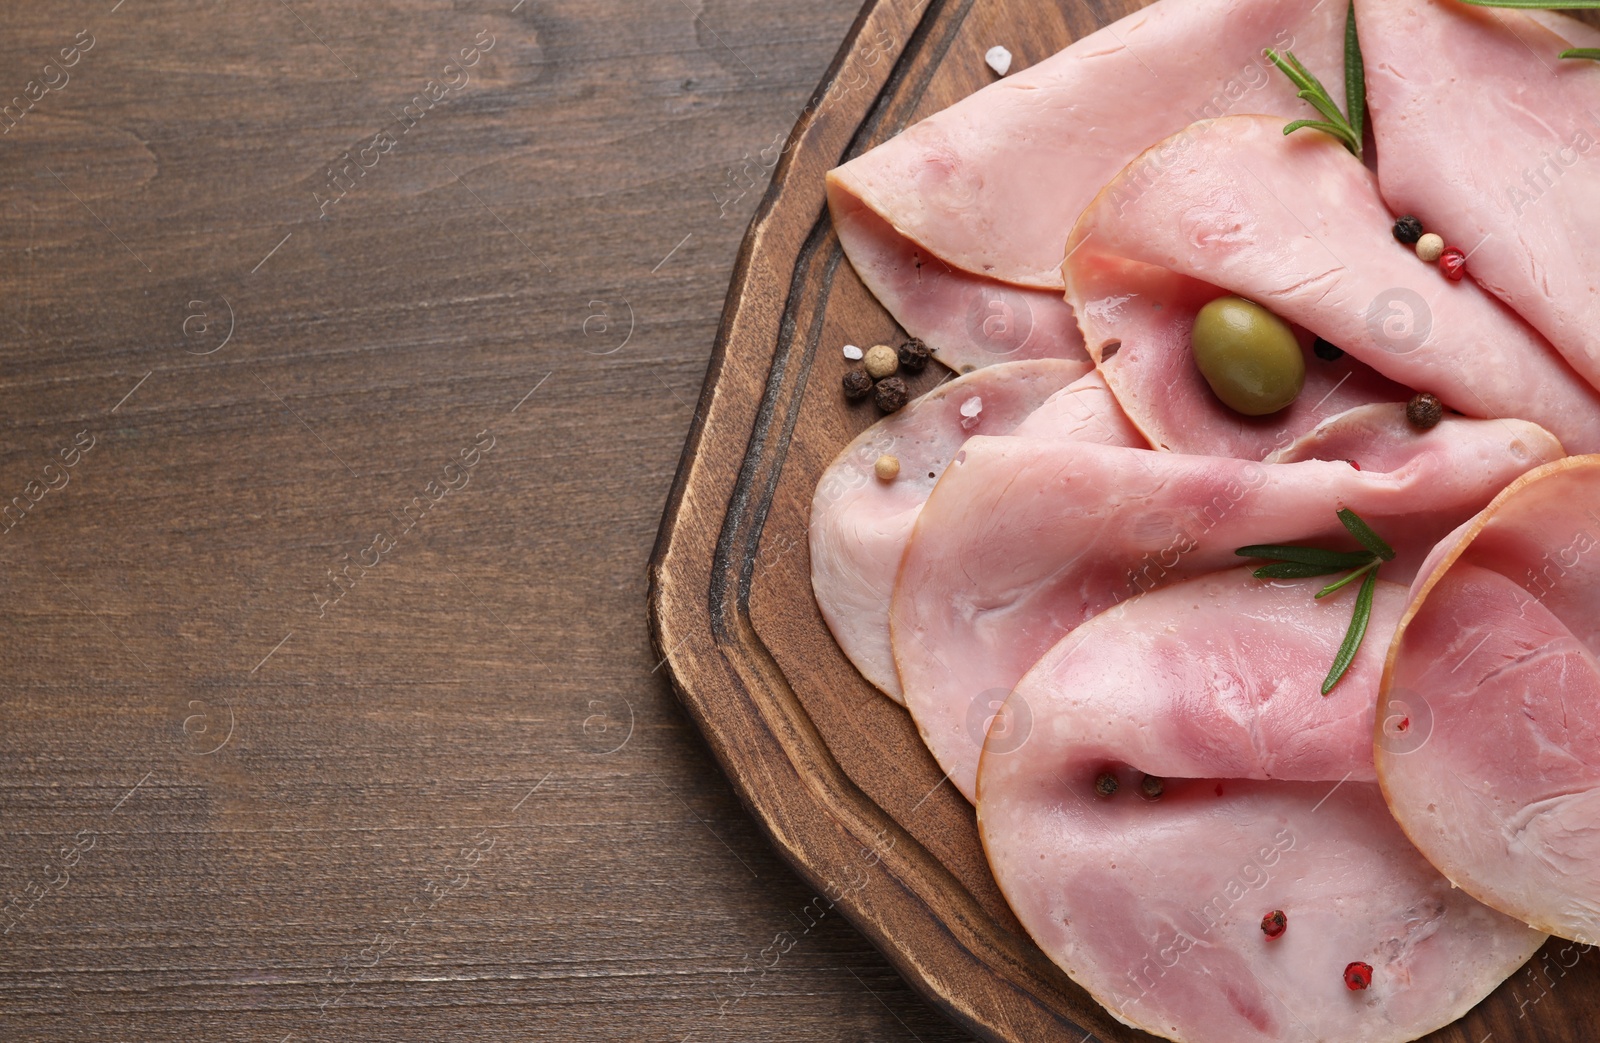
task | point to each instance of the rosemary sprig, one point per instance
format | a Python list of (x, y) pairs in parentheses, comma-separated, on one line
[(1349, 129), (1591, 53), (1305, 562)]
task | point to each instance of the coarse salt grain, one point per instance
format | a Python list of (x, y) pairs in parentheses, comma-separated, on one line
[(999, 60), (969, 413), (853, 353)]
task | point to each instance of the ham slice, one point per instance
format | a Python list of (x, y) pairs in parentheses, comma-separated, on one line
[(1155, 906), (1490, 751), (1295, 223), (1520, 192), (859, 525), (970, 321), (1376, 438), (1022, 540), (1568, 28), (1141, 316), (991, 186), (1083, 411)]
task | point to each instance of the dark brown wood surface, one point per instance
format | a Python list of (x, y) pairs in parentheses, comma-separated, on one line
[(230, 813), (834, 772)]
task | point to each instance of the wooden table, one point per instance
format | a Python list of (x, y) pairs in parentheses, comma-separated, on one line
[(348, 355)]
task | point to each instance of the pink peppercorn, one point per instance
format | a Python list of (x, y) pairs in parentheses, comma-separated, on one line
[(1453, 263)]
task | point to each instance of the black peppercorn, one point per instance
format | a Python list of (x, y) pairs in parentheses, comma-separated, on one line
[(913, 356), (1106, 784), (1408, 230), (891, 394), (857, 385), (1152, 787), (1424, 412), (1326, 351)]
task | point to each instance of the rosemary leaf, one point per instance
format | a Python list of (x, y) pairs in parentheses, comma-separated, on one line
[(1370, 568), (1591, 53), (1324, 104), (1340, 134), (1353, 636), (1295, 71), (1305, 73), (1355, 77), (1364, 534), (1335, 560), (1294, 570)]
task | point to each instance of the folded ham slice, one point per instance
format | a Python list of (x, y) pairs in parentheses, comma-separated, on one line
[(859, 525), (1507, 169), (1140, 316), (1489, 753), (992, 185), (1376, 438), (1296, 224), (971, 321), (1267, 803), (1024, 539)]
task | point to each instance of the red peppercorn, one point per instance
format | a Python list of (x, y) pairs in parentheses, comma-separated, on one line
[(1358, 976), (1453, 263), (1274, 924)]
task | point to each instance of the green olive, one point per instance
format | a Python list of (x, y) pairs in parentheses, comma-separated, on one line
[(1248, 355)]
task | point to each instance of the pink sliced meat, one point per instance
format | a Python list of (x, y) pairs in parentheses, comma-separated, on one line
[(1267, 803), (1580, 34), (993, 184), (1372, 438), (859, 525), (1489, 753), (1083, 411), (1024, 539), (1508, 168), (1140, 316), (1296, 224), (969, 320)]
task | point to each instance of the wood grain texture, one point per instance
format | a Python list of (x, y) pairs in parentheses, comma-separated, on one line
[(833, 772), (283, 800)]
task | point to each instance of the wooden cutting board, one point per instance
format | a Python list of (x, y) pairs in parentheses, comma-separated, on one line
[(833, 772)]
